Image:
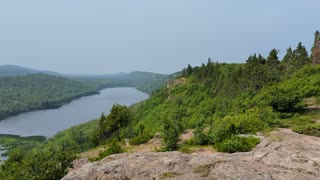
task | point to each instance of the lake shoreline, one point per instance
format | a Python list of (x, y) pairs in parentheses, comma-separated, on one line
[(110, 95), (53, 105), (101, 101)]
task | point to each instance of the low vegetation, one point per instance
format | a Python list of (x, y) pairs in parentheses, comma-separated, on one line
[(237, 144), (310, 129), (114, 148)]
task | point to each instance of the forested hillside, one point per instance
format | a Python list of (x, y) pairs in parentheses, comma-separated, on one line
[(37, 91), (13, 70), (143, 81), (219, 101)]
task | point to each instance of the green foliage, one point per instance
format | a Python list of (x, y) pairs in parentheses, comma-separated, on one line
[(80, 134), (287, 96), (200, 137), (37, 91), (295, 60), (114, 148), (48, 161), (11, 142), (170, 135), (316, 48), (140, 139), (185, 149), (237, 144), (119, 117), (310, 129), (295, 120), (252, 121)]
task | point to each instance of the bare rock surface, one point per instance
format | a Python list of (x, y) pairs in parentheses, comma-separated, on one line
[(281, 155)]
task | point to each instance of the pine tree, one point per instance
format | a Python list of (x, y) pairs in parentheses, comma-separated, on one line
[(288, 57), (273, 68), (273, 58), (189, 70), (301, 57), (316, 49)]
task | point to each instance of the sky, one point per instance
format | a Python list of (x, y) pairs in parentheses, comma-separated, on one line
[(164, 36)]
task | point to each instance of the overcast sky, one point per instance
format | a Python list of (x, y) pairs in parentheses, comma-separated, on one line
[(109, 36)]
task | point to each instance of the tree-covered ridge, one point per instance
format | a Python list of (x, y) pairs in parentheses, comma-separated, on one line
[(143, 81), (37, 91)]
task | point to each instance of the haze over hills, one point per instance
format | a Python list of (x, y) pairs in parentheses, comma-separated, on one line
[(144, 81), (15, 70)]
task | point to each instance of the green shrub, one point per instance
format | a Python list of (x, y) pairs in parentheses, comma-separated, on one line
[(237, 144), (185, 149), (200, 137), (141, 139), (295, 121), (114, 148), (171, 135), (311, 129)]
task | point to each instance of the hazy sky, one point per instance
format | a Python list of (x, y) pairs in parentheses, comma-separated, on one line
[(108, 36)]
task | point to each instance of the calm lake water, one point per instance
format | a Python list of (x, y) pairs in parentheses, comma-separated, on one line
[(49, 122)]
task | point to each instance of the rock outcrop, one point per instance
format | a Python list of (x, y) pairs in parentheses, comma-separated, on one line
[(280, 155)]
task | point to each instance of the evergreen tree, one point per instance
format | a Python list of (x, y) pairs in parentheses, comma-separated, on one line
[(300, 56), (273, 58), (189, 70), (254, 72), (273, 68), (316, 49), (288, 57), (119, 116)]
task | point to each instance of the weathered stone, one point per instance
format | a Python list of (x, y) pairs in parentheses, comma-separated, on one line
[(292, 156)]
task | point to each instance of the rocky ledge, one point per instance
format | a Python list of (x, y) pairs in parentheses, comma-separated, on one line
[(281, 155)]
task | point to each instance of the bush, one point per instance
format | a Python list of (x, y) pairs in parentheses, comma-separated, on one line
[(185, 149), (141, 139), (114, 148), (252, 121), (237, 144), (311, 129), (170, 135)]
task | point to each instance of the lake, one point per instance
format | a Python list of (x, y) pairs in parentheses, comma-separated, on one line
[(49, 122)]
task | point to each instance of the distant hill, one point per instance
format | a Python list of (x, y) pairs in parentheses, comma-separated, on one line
[(145, 81), (37, 91), (13, 70)]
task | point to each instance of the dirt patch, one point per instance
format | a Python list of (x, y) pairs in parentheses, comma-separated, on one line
[(150, 146), (187, 135)]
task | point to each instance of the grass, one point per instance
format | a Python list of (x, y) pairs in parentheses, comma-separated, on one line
[(304, 123), (310, 129), (204, 170), (297, 120), (166, 175)]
